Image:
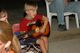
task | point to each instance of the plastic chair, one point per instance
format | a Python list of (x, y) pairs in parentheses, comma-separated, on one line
[(66, 14)]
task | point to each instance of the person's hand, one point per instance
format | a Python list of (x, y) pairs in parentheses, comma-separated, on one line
[(42, 30)]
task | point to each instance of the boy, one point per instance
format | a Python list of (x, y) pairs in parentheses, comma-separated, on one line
[(32, 17)]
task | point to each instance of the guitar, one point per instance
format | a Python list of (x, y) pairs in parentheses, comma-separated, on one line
[(36, 27), (34, 32)]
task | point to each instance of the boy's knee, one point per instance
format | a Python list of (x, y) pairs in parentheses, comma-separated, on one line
[(39, 41), (44, 37)]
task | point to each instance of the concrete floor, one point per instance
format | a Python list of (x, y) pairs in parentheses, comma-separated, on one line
[(65, 46), (64, 41)]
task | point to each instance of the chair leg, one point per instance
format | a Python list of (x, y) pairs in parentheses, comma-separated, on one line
[(67, 22), (77, 20), (50, 21), (49, 18)]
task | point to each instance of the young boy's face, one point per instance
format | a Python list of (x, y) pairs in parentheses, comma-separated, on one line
[(31, 10), (3, 16)]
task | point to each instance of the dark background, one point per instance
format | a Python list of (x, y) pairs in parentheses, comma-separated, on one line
[(11, 4)]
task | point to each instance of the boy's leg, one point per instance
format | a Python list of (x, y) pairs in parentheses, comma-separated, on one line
[(42, 45), (45, 39)]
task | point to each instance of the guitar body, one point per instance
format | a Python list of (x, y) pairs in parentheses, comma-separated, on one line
[(37, 28)]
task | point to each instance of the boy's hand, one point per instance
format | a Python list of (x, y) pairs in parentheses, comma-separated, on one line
[(42, 30), (45, 20)]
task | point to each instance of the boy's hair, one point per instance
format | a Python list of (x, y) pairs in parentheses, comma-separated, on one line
[(31, 2), (2, 10)]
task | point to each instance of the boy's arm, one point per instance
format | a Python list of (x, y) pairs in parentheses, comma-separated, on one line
[(45, 20)]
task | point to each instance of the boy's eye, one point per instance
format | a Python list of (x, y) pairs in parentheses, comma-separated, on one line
[(30, 10)]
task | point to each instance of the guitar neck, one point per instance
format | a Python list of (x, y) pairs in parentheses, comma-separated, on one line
[(28, 33)]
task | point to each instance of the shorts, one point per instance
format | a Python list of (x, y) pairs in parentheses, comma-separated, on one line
[(27, 41)]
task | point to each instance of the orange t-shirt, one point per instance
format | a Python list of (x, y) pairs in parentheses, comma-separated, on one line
[(11, 51)]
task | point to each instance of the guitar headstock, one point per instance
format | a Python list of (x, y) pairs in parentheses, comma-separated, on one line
[(38, 23)]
